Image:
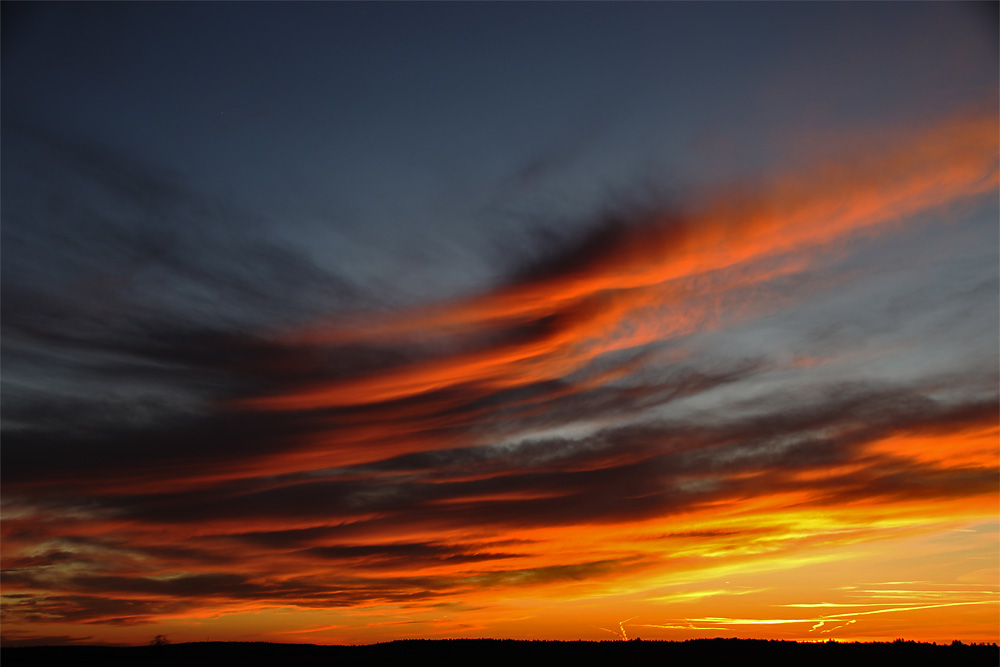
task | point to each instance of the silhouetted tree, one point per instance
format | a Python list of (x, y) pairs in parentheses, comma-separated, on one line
[(159, 640)]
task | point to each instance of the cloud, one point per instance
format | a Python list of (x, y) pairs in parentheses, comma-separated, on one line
[(27, 639), (412, 555), (178, 457)]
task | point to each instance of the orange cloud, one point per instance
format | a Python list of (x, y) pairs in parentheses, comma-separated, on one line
[(456, 473), (663, 278)]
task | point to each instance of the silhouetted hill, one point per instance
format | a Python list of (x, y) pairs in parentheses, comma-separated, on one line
[(520, 653)]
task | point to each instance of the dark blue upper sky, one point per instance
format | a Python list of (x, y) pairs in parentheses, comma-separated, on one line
[(389, 114), (427, 134)]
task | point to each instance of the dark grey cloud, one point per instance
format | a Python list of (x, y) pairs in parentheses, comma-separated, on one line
[(32, 639), (130, 304), (86, 609), (414, 554), (613, 474), (106, 239), (95, 601)]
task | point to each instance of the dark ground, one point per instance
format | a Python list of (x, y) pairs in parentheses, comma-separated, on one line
[(477, 652)]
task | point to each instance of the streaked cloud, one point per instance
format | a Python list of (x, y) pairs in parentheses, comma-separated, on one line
[(663, 409)]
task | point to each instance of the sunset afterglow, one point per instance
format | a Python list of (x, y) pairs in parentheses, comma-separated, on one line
[(264, 379)]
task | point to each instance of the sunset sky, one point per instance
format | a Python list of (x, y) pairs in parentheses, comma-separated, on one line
[(349, 322)]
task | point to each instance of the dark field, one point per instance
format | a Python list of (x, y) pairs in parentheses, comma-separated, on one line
[(475, 652)]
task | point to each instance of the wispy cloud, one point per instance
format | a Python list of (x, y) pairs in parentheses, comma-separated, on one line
[(575, 427)]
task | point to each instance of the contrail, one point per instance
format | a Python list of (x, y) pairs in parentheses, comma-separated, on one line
[(621, 624), (606, 630)]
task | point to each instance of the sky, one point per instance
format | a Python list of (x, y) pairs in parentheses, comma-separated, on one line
[(350, 322)]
